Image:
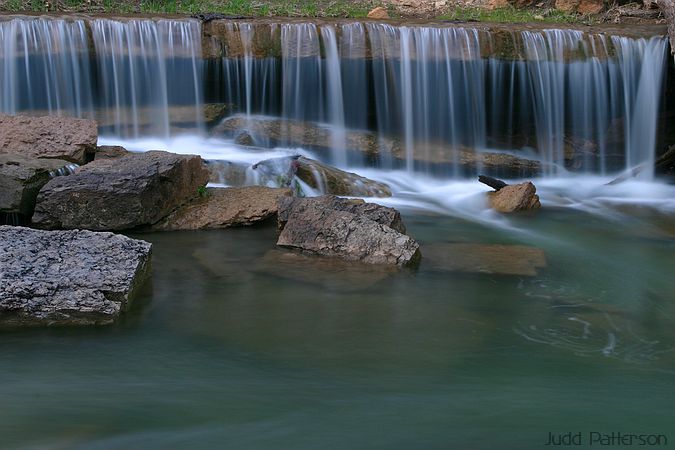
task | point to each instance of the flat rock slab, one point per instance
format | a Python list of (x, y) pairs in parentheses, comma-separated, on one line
[(225, 207), (314, 226), (329, 273), (135, 190), (68, 277), (50, 137), (485, 258)]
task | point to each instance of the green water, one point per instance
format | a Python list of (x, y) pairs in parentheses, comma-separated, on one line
[(218, 353)]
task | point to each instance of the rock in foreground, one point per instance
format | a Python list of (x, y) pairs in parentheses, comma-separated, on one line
[(356, 232), (67, 277), (50, 137), (225, 207), (516, 197), (138, 189)]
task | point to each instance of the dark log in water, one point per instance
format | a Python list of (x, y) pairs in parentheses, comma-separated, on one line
[(494, 183)]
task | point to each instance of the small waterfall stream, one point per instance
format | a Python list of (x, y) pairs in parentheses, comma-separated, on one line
[(574, 101)]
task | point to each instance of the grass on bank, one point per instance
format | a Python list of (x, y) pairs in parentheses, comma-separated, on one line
[(254, 8), (280, 8)]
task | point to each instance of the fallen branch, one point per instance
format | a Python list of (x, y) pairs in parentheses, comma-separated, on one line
[(668, 158), (494, 183)]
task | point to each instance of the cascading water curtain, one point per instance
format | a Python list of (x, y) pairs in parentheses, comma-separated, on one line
[(44, 67), (150, 74)]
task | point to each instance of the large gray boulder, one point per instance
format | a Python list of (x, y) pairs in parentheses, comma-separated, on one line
[(49, 137), (68, 277), (135, 190), (356, 232), (224, 208), (21, 178)]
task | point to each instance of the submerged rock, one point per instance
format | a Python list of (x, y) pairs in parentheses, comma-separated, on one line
[(485, 258), (329, 273), (68, 277), (51, 137), (516, 197), (225, 207), (138, 189), (320, 226), (21, 178), (430, 155), (320, 177)]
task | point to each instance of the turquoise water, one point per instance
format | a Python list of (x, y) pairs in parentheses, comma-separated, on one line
[(219, 352)]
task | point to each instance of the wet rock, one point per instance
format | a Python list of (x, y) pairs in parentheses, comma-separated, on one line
[(516, 197), (325, 272), (296, 133), (320, 177), (227, 172), (377, 213), (215, 112), (134, 190), (313, 226), (244, 138), (21, 178), (485, 258), (50, 137), (225, 207), (110, 151), (68, 277), (378, 13)]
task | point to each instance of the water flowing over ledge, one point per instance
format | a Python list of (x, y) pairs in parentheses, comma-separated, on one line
[(572, 101)]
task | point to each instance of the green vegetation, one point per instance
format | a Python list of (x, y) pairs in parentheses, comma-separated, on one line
[(253, 8), (280, 8), (202, 191), (511, 15)]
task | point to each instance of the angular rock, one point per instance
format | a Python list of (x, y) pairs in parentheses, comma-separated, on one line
[(135, 190), (225, 207), (21, 178), (485, 258), (51, 137), (313, 227), (377, 213), (515, 197), (68, 277)]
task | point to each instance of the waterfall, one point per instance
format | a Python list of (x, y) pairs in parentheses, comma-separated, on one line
[(432, 95), (139, 71), (44, 67), (147, 67)]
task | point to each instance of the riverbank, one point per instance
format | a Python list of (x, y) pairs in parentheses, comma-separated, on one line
[(494, 12)]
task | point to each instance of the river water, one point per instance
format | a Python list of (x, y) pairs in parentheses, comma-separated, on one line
[(232, 345)]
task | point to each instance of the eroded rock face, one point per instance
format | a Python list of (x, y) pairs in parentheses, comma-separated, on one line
[(68, 277), (485, 258), (225, 207), (516, 197), (110, 151), (51, 137), (21, 178), (134, 190), (313, 225)]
